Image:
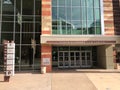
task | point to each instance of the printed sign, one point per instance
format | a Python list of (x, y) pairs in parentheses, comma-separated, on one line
[(10, 51), (11, 45), (9, 58), (9, 62), (9, 68), (46, 61)]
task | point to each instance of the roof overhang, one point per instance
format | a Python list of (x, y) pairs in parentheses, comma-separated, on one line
[(79, 40)]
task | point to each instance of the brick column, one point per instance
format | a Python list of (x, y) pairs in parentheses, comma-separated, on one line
[(46, 29), (46, 53), (108, 17), (46, 17)]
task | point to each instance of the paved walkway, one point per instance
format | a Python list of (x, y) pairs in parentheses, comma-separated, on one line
[(27, 81), (78, 79)]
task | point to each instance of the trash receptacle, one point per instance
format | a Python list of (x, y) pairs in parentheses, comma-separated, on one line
[(43, 69)]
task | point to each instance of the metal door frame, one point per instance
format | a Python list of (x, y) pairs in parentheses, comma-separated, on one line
[(63, 61), (75, 60), (86, 60)]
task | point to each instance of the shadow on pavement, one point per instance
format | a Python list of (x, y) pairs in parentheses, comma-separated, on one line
[(85, 71)]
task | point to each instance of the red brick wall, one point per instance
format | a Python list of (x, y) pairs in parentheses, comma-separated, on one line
[(46, 17), (116, 15), (46, 52), (108, 17)]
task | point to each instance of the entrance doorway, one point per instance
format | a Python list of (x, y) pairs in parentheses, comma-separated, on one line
[(74, 59)]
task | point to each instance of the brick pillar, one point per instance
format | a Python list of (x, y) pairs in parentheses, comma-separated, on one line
[(46, 17), (108, 17), (46, 29), (46, 52)]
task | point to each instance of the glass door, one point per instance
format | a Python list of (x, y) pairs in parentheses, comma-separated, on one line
[(60, 59), (86, 58), (75, 59), (72, 59), (63, 59)]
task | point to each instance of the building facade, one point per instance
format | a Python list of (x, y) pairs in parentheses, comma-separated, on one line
[(20, 21), (61, 33), (80, 33)]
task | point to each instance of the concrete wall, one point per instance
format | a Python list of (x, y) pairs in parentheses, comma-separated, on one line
[(105, 56), (101, 56), (109, 57)]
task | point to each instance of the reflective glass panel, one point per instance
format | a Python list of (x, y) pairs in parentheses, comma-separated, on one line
[(84, 12)]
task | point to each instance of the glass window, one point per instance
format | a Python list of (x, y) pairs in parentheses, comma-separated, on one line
[(98, 30), (75, 16), (27, 18), (91, 30), (7, 27), (84, 13), (54, 13), (61, 13), (18, 6), (61, 2), (27, 7), (90, 15), (37, 7), (7, 36), (90, 3), (83, 2), (54, 3), (21, 23), (63, 48), (17, 38), (97, 14), (75, 2), (75, 13), (68, 13), (8, 18), (0, 6), (97, 3), (8, 7), (90, 23), (68, 3)]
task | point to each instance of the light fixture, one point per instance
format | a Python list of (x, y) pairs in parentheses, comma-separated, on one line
[(7, 2)]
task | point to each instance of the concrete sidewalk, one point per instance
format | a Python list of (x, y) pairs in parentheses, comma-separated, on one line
[(64, 80), (71, 81), (27, 81)]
